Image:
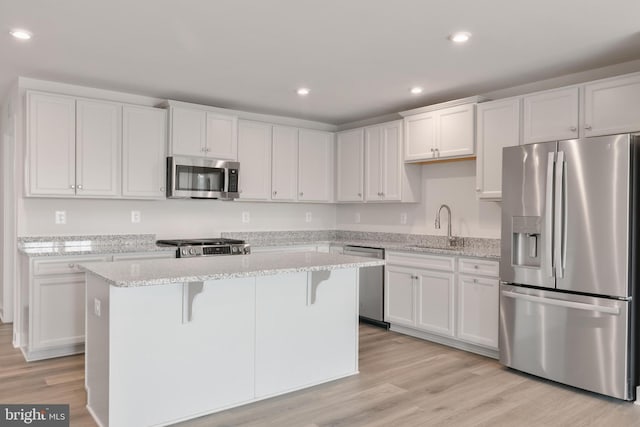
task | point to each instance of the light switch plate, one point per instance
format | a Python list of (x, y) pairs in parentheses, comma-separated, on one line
[(356, 219), (96, 307), (246, 217), (135, 217), (308, 217), (403, 218)]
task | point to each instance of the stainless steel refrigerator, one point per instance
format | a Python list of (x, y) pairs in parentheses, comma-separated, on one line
[(569, 262)]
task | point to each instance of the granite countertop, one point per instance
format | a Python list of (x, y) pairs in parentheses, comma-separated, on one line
[(89, 245), (180, 270), (414, 243)]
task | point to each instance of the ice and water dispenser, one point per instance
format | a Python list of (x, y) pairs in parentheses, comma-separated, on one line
[(526, 244)]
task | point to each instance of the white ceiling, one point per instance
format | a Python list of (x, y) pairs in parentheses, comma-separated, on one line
[(359, 57)]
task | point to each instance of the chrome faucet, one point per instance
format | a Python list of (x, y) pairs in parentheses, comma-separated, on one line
[(453, 241)]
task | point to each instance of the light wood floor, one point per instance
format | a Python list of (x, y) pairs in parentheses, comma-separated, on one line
[(403, 382)]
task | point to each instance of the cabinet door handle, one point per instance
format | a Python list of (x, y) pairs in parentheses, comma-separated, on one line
[(475, 280), (202, 149), (301, 194), (573, 128), (275, 192), (478, 189), (437, 152), (72, 187), (359, 194), (382, 194), (71, 265), (79, 186), (161, 188), (587, 127), (476, 266)]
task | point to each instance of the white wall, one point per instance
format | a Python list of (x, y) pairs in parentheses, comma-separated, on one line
[(168, 218), (449, 183)]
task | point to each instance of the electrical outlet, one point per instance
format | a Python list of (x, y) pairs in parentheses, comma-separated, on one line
[(61, 217), (96, 307), (308, 217), (135, 216), (356, 219), (246, 217), (403, 218)]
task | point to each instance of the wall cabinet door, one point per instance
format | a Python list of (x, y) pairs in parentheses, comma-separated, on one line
[(222, 136), (284, 165), (188, 132), (612, 106), (391, 161), (51, 144), (436, 302), (420, 133), (315, 167), (498, 126), (550, 116), (254, 155), (478, 310), (98, 148), (373, 164), (57, 313), (399, 301), (456, 131), (144, 141), (350, 166)]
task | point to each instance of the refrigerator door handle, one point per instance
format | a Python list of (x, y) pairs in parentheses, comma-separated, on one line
[(548, 218), (562, 303), (558, 224)]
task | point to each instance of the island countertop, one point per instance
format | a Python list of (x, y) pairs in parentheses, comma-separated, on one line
[(179, 270)]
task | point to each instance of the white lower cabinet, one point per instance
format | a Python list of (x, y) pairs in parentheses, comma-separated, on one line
[(445, 299), (54, 298)]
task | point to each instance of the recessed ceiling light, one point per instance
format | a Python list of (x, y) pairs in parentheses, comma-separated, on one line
[(416, 90), (460, 37), (21, 34), (303, 91)]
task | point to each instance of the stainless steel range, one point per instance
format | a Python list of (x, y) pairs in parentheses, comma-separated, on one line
[(186, 248)]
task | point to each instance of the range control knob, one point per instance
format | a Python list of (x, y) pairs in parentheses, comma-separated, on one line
[(234, 249), (192, 251), (184, 252)]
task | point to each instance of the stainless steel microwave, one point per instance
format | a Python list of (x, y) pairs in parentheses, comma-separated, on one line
[(202, 178)]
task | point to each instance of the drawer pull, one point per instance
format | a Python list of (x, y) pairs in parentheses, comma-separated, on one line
[(71, 265), (476, 266)]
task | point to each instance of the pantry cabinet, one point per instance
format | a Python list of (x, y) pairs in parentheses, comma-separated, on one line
[(498, 126), (254, 155), (350, 166), (201, 133), (143, 152), (440, 134), (551, 115)]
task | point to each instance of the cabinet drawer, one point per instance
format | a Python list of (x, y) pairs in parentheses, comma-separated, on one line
[(478, 267), (431, 262), (63, 266)]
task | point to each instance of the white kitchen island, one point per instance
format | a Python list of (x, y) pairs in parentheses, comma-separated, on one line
[(170, 340)]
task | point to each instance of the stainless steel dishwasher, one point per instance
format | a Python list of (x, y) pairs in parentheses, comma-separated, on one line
[(371, 286)]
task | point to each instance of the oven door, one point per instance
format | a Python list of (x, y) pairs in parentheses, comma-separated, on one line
[(202, 178)]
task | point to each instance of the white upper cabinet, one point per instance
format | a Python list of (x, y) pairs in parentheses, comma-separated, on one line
[(284, 165), (51, 144), (144, 141), (254, 155), (440, 134), (612, 106), (456, 131), (222, 138), (383, 162), (201, 133), (350, 170), (315, 166), (551, 115), (498, 126), (98, 145)]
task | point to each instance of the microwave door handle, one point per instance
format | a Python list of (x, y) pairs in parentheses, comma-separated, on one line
[(225, 185), (559, 216), (548, 218)]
